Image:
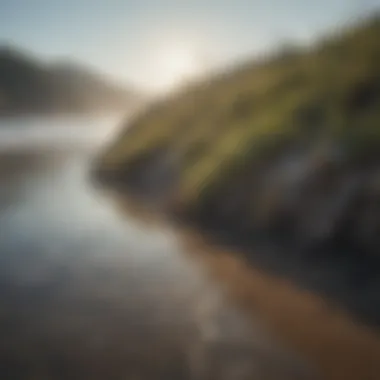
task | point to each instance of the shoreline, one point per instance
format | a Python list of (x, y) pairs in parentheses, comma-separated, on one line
[(328, 337), (325, 336), (345, 278)]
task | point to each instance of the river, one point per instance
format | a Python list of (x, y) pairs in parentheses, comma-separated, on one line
[(91, 292)]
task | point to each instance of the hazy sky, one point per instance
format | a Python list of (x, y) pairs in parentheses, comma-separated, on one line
[(129, 38)]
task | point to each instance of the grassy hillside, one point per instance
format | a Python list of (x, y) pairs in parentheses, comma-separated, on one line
[(218, 147)]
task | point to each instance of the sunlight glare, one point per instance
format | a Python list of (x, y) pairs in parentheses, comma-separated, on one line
[(174, 66)]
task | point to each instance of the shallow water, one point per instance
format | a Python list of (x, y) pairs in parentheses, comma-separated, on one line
[(90, 293)]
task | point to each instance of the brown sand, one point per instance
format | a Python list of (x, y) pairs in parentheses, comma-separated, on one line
[(327, 338)]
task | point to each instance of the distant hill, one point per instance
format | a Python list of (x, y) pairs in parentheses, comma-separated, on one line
[(30, 86)]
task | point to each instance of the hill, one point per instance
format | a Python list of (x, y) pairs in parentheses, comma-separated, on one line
[(29, 86), (285, 149)]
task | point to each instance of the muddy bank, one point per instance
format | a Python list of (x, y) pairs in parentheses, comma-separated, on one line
[(340, 347)]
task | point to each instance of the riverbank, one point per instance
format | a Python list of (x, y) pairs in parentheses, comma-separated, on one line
[(347, 278)]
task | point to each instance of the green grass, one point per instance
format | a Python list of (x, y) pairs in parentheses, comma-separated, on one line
[(329, 91)]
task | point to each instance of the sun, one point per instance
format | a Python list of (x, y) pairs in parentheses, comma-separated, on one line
[(173, 66)]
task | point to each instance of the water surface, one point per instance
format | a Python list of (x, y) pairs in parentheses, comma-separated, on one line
[(90, 293)]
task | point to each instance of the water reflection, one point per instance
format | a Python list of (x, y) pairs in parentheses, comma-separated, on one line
[(89, 294), (291, 302)]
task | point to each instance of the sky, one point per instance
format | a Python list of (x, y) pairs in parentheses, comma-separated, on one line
[(152, 43)]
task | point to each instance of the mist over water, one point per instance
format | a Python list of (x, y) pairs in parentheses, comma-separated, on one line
[(57, 132)]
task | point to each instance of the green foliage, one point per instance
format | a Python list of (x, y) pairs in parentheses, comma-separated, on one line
[(251, 114)]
